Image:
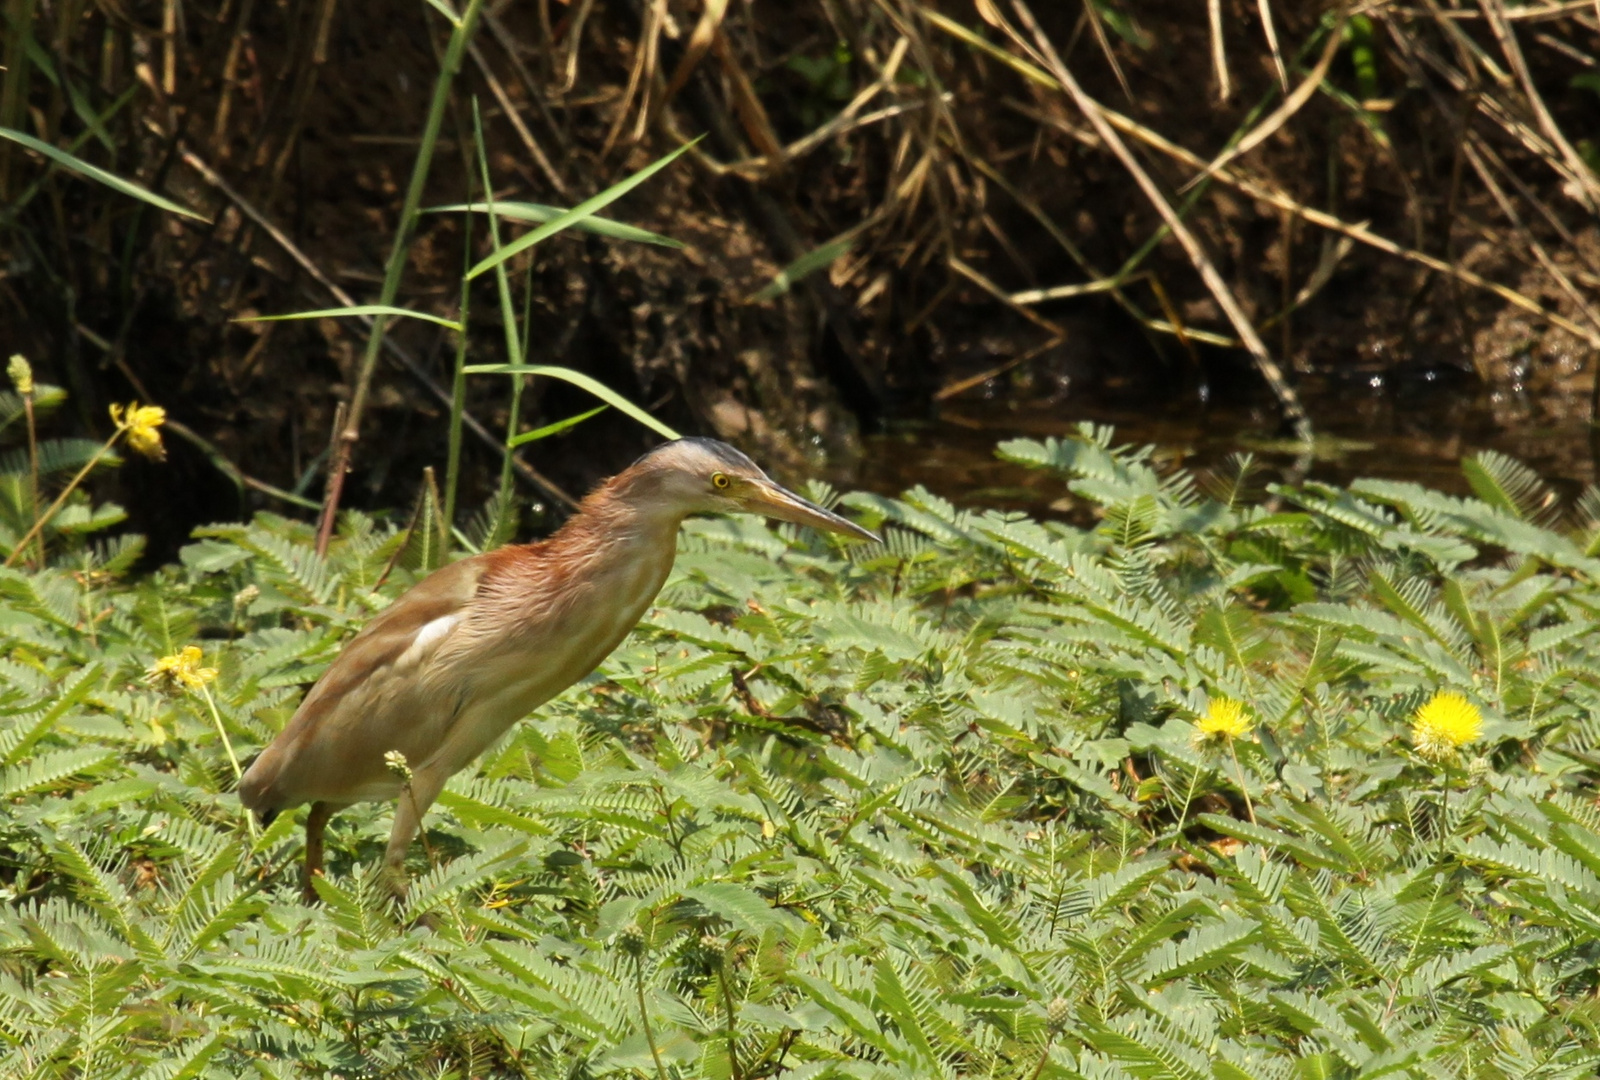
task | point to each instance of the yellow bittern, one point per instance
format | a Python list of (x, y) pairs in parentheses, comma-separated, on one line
[(475, 646)]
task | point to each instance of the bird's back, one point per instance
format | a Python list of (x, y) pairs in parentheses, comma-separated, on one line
[(325, 751)]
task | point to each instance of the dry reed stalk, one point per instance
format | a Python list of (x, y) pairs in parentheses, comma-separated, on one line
[(1271, 33), (1283, 113), (1219, 57), (509, 108), (1288, 401), (1098, 26), (644, 54), (1261, 190), (1587, 182)]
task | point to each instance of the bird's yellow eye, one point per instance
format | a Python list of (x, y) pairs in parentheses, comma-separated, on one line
[(720, 480)]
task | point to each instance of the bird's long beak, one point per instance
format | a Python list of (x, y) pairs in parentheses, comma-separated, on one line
[(765, 497)]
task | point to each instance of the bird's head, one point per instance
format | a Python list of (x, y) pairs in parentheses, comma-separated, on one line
[(691, 476)]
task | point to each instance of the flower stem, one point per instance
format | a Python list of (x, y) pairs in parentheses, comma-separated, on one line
[(727, 1005), (227, 744), (1444, 816), (644, 1017), (1243, 789), (33, 464), (44, 519)]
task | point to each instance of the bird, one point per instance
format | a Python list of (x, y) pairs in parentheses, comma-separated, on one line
[(438, 676)]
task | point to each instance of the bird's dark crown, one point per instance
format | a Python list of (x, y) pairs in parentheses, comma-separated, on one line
[(714, 448)]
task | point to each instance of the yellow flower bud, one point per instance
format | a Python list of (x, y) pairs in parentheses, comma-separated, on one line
[(21, 373)]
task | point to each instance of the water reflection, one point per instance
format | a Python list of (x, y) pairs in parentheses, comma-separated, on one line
[(1395, 433)]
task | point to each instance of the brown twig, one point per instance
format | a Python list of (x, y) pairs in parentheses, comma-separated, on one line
[(338, 466)]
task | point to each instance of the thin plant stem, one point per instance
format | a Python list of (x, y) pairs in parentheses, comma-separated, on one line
[(422, 834), (458, 386), (1044, 1058), (44, 519), (518, 385), (1238, 769), (1444, 816), (727, 1008), (644, 1017), (227, 744), (508, 313), (460, 35), (33, 464)]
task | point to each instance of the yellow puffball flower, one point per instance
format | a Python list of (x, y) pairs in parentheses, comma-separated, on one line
[(1225, 718), (140, 422), (1444, 725), (182, 669)]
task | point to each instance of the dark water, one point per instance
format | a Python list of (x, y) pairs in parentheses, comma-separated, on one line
[(1422, 438)]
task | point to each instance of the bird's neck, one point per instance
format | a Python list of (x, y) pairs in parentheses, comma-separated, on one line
[(624, 513)]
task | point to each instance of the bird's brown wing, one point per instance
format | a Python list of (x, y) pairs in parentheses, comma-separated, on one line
[(328, 750)]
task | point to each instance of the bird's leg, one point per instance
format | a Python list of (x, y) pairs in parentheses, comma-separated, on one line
[(415, 799), (316, 825)]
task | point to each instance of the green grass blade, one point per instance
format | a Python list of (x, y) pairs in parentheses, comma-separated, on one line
[(807, 264), (539, 213), (359, 309), (552, 429), (581, 212), (583, 382), (93, 172), (444, 9)]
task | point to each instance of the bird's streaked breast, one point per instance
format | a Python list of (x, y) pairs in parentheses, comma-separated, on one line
[(536, 629)]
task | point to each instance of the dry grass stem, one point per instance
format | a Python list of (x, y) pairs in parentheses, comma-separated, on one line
[(1219, 57), (1098, 26), (977, 278), (509, 108), (1271, 33), (1532, 242), (1283, 113), (1586, 181), (705, 30), (644, 54), (1259, 190), (509, 45), (1288, 401), (574, 43)]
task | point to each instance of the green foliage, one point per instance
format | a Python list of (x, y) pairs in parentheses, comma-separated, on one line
[(935, 808), (58, 460)]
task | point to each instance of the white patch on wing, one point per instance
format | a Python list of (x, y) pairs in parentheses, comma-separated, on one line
[(427, 640)]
